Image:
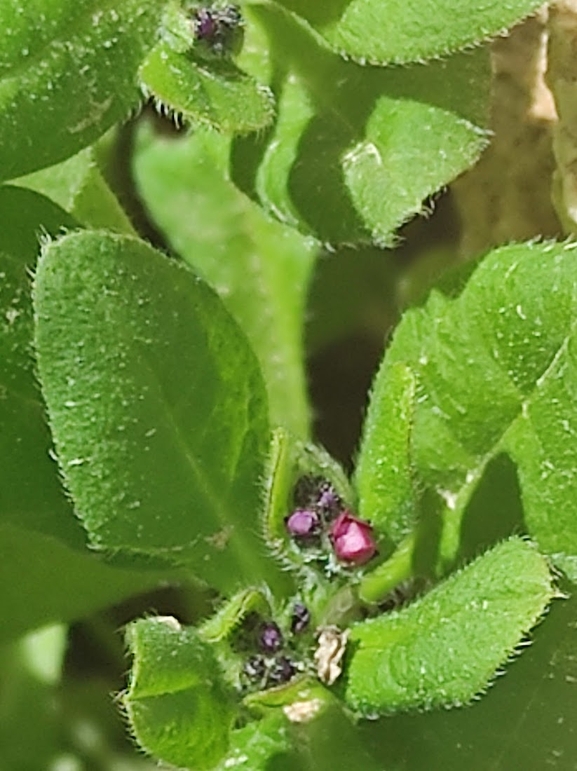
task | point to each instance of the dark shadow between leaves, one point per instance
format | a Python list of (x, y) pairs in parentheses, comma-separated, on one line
[(494, 512)]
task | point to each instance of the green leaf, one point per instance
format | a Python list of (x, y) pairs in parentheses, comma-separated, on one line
[(355, 151), (399, 31), (68, 71), (79, 188), (384, 474), (495, 368), (223, 623), (216, 94), (259, 744), (156, 403), (260, 269), (25, 440), (446, 647), (525, 721), (178, 706), (44, 581)]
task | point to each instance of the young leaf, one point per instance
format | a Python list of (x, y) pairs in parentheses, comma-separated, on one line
[(218, 94), (260, 268), (354, 153), (178, 705), (77, 185), (384, 474), (223, 623), (156, 403), (68, 71), (446, 647), (495, 372), (401, 31)]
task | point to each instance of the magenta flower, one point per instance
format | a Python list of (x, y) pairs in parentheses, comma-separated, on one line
[(303, 523), (352, 539)]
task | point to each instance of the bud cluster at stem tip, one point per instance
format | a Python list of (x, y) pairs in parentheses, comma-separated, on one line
[(321, 520)]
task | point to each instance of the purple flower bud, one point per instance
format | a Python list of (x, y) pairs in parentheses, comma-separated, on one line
[(300, 618), (270, 638), (303, 523), (281, 671), (352, 539)]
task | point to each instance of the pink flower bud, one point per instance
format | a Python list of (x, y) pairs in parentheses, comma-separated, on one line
[(303, 523), (352, 539)]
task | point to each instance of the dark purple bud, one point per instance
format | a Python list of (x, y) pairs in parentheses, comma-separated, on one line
[(281, 671), (300, 618), (352, 539), (270, 638), (205, 24), (328, 502), (255, 668), (306, 490), (219, 29), (303, 523)]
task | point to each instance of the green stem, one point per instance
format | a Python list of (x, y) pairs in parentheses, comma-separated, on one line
[(375, 586)]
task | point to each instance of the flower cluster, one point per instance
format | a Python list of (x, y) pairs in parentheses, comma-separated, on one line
[(320, 519), (275, 661)]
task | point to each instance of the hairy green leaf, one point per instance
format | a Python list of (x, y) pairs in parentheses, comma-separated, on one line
[(446, 647), (525, 721), (79, 188), (68, 71), (156, 403), (259, 268), (223, 623), (217, 94), (31, 495), (496, 373), (354, 152), (384, 475), (178, 705), (399, 31)]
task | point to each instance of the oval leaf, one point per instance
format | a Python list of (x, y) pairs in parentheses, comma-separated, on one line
[(156, 403), (446, 647), (354, 152), (399, 31), (526, 722), (68, 71), (218, 94), (496, 373), (178, 705)]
